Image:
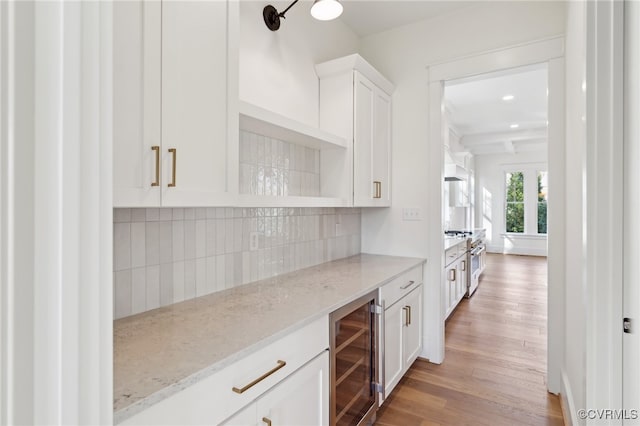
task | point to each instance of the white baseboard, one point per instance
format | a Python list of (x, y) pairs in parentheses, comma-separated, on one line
[(567, 403), (518, 251)]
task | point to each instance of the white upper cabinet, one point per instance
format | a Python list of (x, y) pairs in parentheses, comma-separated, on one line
[(175, 103), (355, 102)]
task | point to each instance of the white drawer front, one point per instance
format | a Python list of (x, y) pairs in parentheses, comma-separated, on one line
[(393, 291), (213, 399)]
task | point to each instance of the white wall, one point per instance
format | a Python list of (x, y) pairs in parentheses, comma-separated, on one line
[(277, 67), (490, 190), (573, 369), (402, 55)]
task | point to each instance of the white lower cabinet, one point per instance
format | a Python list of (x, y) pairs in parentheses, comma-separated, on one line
[(454, 279), (300, 400), (402, 344)]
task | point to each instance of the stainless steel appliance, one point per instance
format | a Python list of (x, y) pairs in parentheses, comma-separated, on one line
[(354, 357), (476, 255)]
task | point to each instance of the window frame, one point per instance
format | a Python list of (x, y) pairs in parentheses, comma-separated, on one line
[(530, 195)]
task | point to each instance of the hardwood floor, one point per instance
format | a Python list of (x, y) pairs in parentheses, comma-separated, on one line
[(494, 372)]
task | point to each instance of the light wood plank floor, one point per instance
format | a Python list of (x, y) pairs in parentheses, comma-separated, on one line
[(494, 371)]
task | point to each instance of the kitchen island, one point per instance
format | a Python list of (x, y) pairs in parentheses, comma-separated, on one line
[(161, 352)]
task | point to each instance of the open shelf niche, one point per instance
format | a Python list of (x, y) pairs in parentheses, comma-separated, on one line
[(285, 163)]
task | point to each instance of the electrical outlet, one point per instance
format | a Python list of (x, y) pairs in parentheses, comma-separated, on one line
[(412, 214), (253, 241)]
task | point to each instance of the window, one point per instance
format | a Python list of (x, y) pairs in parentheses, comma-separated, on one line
[(542, 202), (514, 212)]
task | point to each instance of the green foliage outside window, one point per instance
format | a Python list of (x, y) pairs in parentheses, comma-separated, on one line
[(542, 202), (515, 202)]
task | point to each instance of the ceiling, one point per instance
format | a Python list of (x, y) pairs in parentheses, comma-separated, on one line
[(485, 122), (366, 17)]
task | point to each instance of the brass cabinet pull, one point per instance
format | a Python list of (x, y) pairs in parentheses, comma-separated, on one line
[(156, 148), (261, 378), (464, 265), (378, 189), (406, 315), (409, 314), (267, 421), (452, 274), (407, 285), (173, 168)]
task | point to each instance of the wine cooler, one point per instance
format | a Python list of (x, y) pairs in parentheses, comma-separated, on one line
[(354, 361)]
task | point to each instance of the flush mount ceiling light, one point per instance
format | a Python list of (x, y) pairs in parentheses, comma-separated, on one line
[(514, 126), (508, 98), (322, 10)]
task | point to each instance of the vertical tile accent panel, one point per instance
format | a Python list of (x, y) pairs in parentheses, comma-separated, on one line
[(273, 167), (165, 256)]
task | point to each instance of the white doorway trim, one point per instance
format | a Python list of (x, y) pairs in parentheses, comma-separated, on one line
[(550, 50), (604, 207), (56, 315)]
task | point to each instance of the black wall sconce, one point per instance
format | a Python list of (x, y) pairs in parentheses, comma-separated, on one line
[(322, 10)]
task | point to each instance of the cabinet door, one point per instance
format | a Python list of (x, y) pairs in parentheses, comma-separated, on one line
[(393, 358), (371, 144), (245, 417), (463, 271), (136, 103), (300, 400), (413, 330), (364, 100), (196, 88), (381, 149)]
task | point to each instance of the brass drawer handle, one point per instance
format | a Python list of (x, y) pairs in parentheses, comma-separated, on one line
[(452, 274), (406, 315), (156, 148), (173, 168), (407, 285), (464, 265), (267, 421), (409, 314), (261, 378), (378, 189)]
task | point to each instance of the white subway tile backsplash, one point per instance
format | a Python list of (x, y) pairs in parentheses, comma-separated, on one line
[(165, 214), (201, 238), (138, 245), (211, 274), (122, 289), (152, 237), (177, 240), (138, 290), (153, 287), (153, 215), (161, 259), (178, 281), (178, 214), (122, 215), (189, 279), (273, 167), (138, 215), (165, 232), (201, 276), (121, 246), (166, 284)]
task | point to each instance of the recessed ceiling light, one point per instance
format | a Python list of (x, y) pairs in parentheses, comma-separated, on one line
[(514, 126), (508, 98)]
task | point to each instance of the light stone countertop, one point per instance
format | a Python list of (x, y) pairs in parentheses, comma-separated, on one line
[(160, 352), (453, 241)]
